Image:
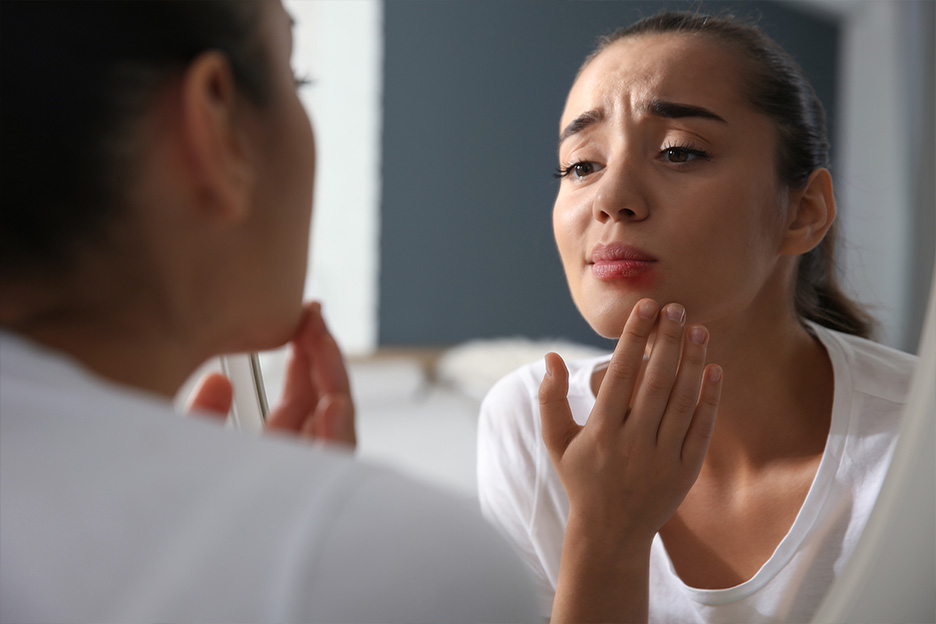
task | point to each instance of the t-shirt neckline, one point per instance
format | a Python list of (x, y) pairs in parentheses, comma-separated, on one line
[(816, 497)]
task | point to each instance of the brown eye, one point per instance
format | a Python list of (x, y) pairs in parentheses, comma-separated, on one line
[(676, 155), (681, 155), (580, 170)]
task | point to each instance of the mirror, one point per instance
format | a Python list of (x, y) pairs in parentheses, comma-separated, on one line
[(432, 247), (416, 237)]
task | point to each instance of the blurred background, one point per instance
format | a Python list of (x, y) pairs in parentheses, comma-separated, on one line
[(436, 125)]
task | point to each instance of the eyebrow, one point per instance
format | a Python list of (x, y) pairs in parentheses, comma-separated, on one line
[(586, 119), (672, 110), (657, 108)]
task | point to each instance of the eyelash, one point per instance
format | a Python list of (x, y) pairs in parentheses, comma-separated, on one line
[(302, 80), (565, 172), (690, 149)]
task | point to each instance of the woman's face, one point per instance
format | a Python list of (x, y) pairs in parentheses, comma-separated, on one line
[(669, 186), (282, 201)]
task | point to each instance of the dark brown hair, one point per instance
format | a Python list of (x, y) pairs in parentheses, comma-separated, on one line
[(776, 86), (75, 78)]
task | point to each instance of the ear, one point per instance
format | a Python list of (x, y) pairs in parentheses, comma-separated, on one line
[(811, 213), (216, 144)]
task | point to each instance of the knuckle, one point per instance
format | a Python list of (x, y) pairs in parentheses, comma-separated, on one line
[(550, 395), (623, 371), (635, 334), (657, 381), (693, 354), (670, 333), (682, 403), (710, 400)]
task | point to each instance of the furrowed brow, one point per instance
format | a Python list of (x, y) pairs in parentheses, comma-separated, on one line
[(672, 110), (586, 119)]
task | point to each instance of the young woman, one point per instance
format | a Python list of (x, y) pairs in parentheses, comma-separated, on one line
[(157, 183), (695, 220)]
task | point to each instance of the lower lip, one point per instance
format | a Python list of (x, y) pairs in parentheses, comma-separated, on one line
[(622, 270)]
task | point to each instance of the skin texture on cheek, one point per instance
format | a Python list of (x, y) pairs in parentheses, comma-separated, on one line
[(714, 257)]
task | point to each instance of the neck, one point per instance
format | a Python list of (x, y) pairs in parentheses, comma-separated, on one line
[(128, 351), (117, 328), (777, 396)]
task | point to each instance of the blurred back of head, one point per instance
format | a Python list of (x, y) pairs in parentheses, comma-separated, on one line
[(75, 79)]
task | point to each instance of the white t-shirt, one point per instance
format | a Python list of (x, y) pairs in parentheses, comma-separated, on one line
[(114, 508), (521, 493)]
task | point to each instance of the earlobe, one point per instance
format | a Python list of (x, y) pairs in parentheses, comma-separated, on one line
[(217, 149), (812, 211)]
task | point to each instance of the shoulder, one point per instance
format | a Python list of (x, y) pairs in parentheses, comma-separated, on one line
[(396, 540), (248, 519), (518, 388), (872, 369), (521, 387)]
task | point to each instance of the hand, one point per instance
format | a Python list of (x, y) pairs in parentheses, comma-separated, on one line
[(316, 401), (627, 470), (212, 398)]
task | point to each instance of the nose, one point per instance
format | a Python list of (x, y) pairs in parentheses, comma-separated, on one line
[(619, 197)]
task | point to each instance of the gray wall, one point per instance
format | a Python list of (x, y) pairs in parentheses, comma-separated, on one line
[(472, 97)]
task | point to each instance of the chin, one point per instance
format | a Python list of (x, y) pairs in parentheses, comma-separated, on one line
[(607, 318), (285, 329), (270, 331)]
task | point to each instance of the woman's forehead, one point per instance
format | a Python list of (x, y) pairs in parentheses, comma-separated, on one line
[(688, 68)]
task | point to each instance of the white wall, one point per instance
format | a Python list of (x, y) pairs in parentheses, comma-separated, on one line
[(339, 45)]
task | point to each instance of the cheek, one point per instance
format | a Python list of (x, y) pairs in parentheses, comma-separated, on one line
[(569, 231)]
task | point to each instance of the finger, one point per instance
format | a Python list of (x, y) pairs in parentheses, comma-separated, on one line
[(653, 392), (703, 421), (328, 367), (332, 421), (617, 387), (300, 393), (316, 370), (299, 397), (298, 368), (558, 426), (685, 395), (212, 398)]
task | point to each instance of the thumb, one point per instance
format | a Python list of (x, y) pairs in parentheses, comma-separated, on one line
[(212, 397), (558, 426)]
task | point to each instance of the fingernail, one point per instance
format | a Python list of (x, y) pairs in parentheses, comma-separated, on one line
[(715, 374), (647, 309), (697, 335), (676, 312)]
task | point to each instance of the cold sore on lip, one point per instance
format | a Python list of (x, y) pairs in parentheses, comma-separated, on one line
[(620, 262)]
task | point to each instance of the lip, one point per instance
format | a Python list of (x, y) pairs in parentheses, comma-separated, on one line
[(619, 261), (614, 252)]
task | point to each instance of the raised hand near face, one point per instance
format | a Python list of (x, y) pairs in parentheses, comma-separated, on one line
[(629, 467), (316, 401)]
